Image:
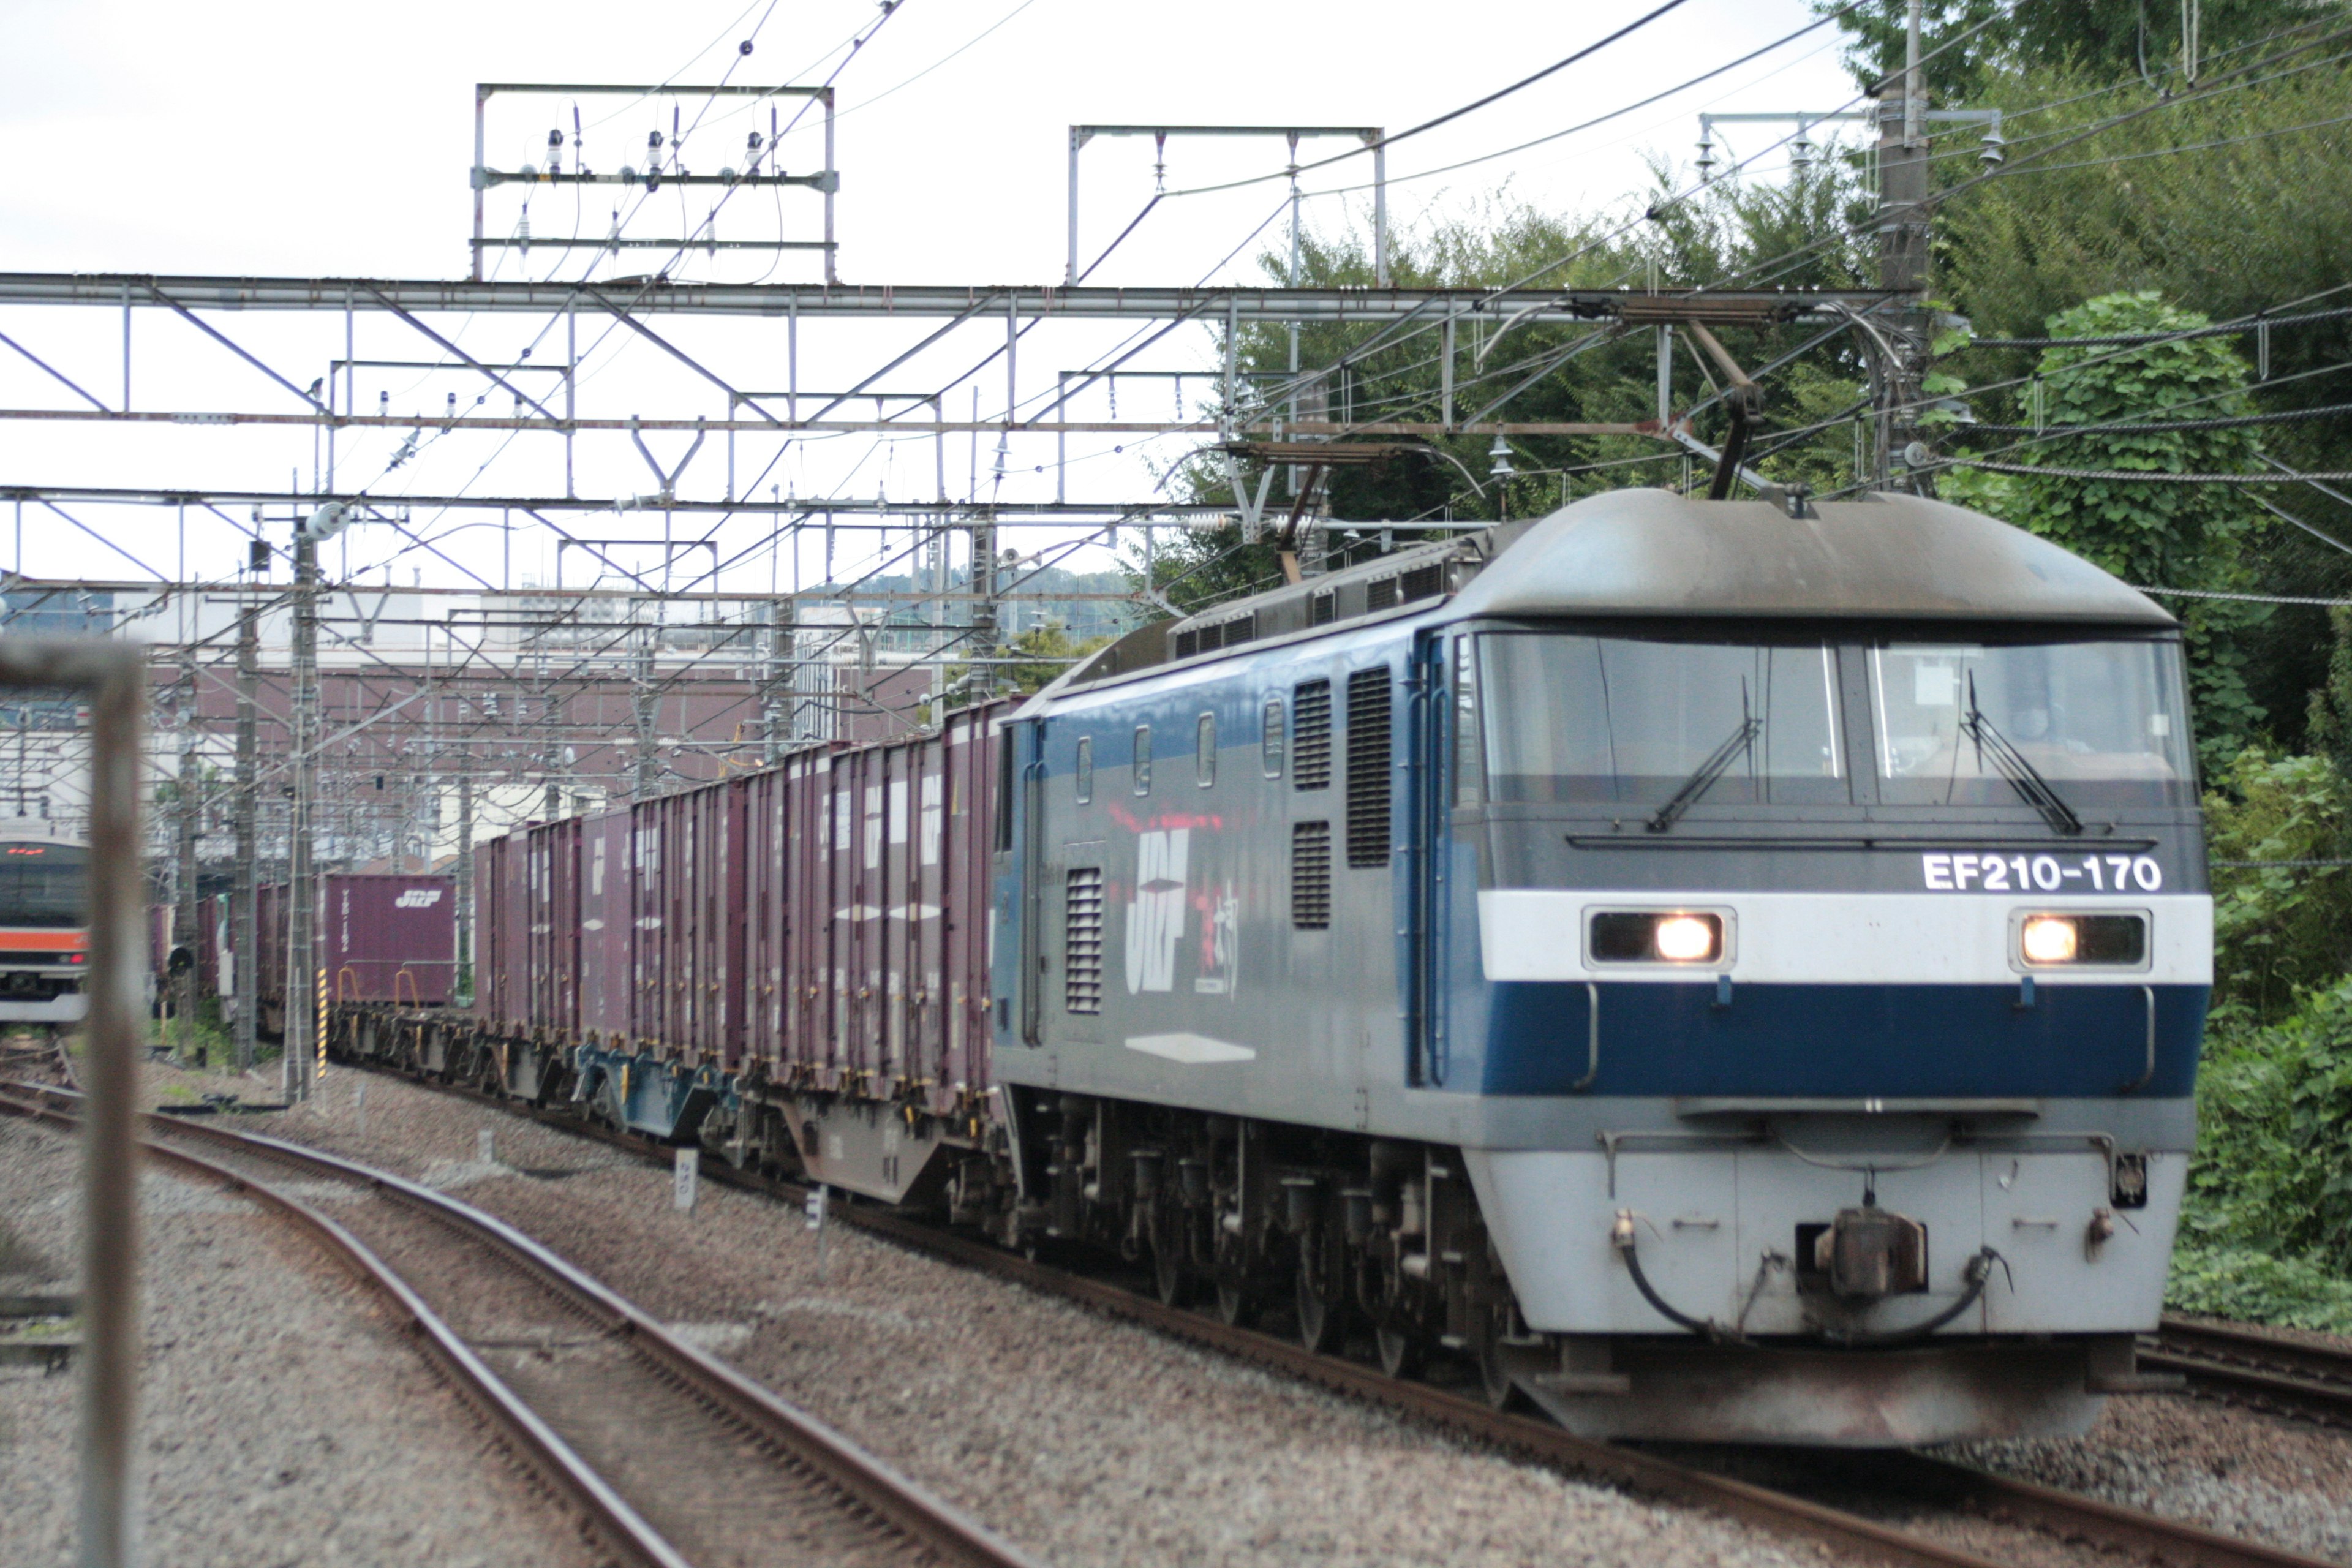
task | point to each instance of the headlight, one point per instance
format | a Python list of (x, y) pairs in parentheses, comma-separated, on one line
[(1671, 936), (2050, 940)]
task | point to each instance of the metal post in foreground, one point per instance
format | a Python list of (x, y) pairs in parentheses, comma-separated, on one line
[(115, 675), (301, 894), (244, 942)]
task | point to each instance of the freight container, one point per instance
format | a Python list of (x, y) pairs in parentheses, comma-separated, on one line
[(499, 948), (607, 931), (552, 937), (881, 920), (269, 957), (389, 938), (690, 923)]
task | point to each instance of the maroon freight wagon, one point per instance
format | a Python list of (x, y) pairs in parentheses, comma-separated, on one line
[(387, 937), (818, 930)]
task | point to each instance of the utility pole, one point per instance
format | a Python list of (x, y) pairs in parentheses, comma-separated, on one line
[(184, 1000), (1903, 235), (304, 1028), (645, 784), (466, 879), (776, 689), (245, 940), (983, 605)]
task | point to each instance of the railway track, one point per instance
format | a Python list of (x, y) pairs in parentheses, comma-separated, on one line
[(2251, 1367), (676, 1459), (1779, 1507)]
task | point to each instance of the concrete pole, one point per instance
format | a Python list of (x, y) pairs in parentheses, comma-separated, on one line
[(465, 880), (646, 783), (983, 607), (245, 932), (1904, 230), (191, 802), (775, 690), (301, 889)]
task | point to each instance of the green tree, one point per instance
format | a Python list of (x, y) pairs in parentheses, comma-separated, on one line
[(2283, 926), (2107, 38), (2159, 535)]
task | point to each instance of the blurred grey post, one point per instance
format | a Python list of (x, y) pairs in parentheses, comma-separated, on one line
[(115, 677), (245, 941)]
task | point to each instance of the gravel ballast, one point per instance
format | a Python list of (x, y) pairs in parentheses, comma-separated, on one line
[(284, 1419), (1082, 1439)]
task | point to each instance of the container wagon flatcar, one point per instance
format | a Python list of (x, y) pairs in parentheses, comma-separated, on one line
[(1732, 970)]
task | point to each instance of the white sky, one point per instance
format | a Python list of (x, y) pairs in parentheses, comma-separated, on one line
[(277, 138)]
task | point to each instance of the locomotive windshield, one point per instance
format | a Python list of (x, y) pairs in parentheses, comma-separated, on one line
[(2103, 722), (44, 885), (1633, 721)]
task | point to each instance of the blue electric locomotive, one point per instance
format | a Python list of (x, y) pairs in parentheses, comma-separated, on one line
[(1732, 969)]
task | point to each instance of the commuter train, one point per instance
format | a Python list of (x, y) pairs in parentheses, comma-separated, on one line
[(43, 926), (1726, 970)]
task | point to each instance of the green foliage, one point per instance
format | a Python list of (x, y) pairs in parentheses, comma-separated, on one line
[(1522, 371), (2267, 1229), (2109, 38), (2228, 200), (2167, 535), (2278, 930), (2330, 716), (1041, 654)]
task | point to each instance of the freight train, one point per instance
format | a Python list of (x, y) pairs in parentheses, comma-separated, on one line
[(1725, 970)]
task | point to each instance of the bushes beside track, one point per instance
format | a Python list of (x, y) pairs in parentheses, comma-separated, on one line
[(2267, 1233)]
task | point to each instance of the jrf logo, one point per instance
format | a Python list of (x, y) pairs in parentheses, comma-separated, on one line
[(1155, 922), (420, 897)]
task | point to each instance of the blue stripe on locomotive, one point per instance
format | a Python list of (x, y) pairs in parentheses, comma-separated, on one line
[(1892, 1041)]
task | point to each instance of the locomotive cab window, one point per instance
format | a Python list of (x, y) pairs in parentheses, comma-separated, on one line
[(1082, 773), (1642, 721), (2094, 723), (1469, 754), (1204, 750), (1143, 759)]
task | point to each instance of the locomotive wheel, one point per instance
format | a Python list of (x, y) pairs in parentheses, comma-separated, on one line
[(1168, 1281), (1232, 1302), (1318, 1314), (1495, 1361), (1399, 1347)]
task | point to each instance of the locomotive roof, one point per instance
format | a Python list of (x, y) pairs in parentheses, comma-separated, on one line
[(1652, 553)]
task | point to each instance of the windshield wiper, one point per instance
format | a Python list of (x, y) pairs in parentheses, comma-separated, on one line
[(1703, 777), (2023, 776)]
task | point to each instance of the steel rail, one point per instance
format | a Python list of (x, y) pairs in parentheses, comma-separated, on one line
[(613, 1517), (2033, 1506), (929, 1525), (2255, 1368)]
